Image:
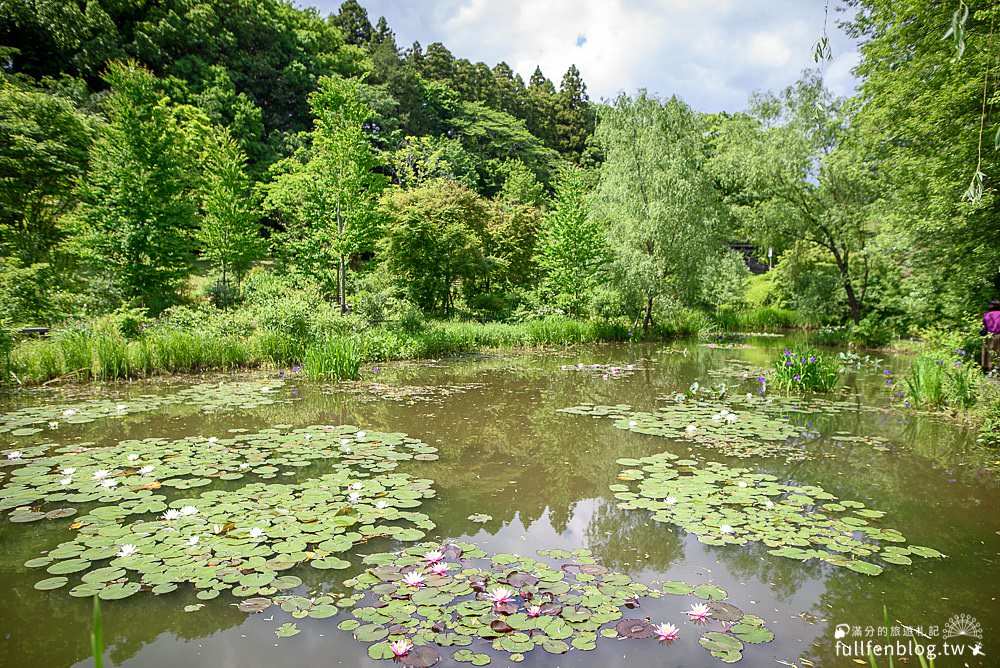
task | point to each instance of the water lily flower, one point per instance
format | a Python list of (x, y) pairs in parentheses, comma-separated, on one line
[(15, 454), (244, 466), (189, 510), (353, 498), (670, 500), (66, 481), (691, 428), (356, 485), (401, 647), (699, 612), (749, 396), (265, 389), (216, 528), (717, 417), (98, 475), (308, 437), (632, 423), (110, 483), (433, 556), (414, 579), (193, 540), (69, 411), (127, 550), (769, 504), (120, 407), (440, 568), (579, 365), (630, 367), (171, 514), (500, 594), (69, 470), (741, 484), (213, 439), (256, 532), (725, 528), (666, 631), (381, 504), (360, 434), (345, 441), (731, 418), (146, 470), (534, 610), (133, 458), (604, 377)]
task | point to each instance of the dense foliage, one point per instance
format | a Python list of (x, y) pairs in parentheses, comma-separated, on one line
[(155, 155)]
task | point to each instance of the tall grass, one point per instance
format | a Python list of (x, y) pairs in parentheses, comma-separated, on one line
[(334, 359), (759, 319), (937, 381)]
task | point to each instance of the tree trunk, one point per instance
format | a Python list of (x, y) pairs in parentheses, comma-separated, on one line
[(648, 319), (342, 270), (852, 301)]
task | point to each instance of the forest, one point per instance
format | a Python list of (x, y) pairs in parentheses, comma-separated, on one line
[(285, 180)]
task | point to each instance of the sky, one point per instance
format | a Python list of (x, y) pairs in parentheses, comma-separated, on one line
[(711, 53)]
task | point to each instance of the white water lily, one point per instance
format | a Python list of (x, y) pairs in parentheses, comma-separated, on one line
[(110, 483), (53, 425), (356, 485), (670, 500), (691, 428), (749, 396), (145, 470), (171, 514), (244, 466), (256, 532), (769, 504), (360, 434), (193, 540), (69, 411), (345, 441), (120, 407), (717, 417), (69, 470), (725, 528), (632, 423), (265, 389), (66, 481), (216, 528), (308, 437), (133, 458), (189, 510), (213, 439), (127, 550), (731, 418), (741, 483), (15, 454), (353, 498), (99, 474), (381, 504)]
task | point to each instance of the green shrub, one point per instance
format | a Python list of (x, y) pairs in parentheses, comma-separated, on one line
[(805, 370)]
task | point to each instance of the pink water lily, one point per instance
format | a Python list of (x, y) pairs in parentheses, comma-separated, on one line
[(666, 631), (414, 579), (433, 556), (534, 610), (699, 612), (439, 568), (501, 594), (401, 647)]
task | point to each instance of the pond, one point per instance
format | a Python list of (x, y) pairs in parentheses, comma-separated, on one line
[(797, 518)]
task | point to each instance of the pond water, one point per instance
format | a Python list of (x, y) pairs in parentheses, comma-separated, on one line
[(540, 480)]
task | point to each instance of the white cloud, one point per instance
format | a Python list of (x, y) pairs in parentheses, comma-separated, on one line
[(711, 53), (838, 76)]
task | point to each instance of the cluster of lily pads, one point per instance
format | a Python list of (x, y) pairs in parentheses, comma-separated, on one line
[(432, 596), (209, 396), (405, 394), (237, 540), (606, 371), (131, 470), (709, 424), (736, 506)]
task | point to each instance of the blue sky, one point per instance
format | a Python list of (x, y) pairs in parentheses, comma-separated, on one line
[(711, 53)]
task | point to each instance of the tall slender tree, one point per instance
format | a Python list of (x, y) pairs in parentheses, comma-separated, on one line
[(574, 117)]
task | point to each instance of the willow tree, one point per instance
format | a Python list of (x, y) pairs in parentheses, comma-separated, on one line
[(662, 209), (326, 196)]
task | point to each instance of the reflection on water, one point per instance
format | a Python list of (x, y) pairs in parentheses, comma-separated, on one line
[(543, 476)]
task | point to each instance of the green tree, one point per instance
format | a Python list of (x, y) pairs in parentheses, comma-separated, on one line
[(574, 118), (139, 216), (434, 239), (541, 106), (520, 185), (43, 150), (663, 209), (571, 243), (352, 19), (327, 196), (803, 178), (929, 120), (229, 233)]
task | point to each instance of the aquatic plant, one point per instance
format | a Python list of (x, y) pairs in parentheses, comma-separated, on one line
[(804, 370), (519, 604), (245, 537), (736, 506)]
